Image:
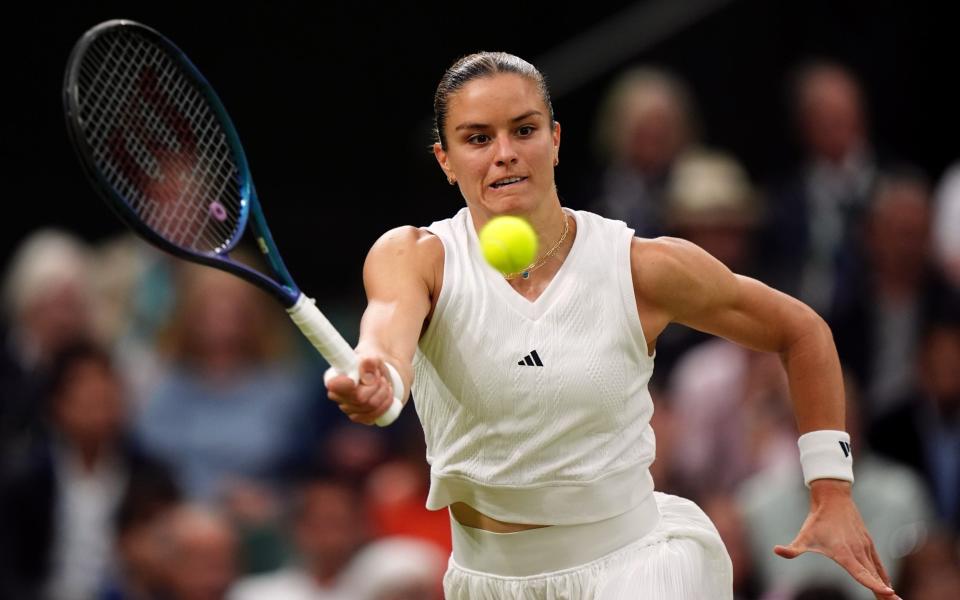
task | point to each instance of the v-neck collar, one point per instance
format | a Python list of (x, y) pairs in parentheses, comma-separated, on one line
[(532, 309)]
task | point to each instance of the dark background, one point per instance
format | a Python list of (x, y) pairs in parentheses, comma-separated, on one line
[(333, 100)]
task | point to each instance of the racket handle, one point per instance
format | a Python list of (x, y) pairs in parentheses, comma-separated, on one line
[(323, 335), (331, 345)]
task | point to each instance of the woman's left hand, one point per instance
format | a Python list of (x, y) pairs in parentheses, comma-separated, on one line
[(835, 529)]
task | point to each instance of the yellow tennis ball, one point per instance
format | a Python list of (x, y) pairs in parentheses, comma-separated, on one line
[(509, 244)]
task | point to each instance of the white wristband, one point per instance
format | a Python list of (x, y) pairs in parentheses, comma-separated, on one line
[(395, 381), (826, 454), (397, 405)]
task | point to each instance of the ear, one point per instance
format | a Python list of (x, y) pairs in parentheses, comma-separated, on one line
[(443, 160), (556, 142)]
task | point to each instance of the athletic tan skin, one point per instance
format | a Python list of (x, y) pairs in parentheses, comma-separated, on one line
[(499, 126)]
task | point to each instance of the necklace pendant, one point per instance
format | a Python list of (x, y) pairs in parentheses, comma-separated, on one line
[(525, 274)]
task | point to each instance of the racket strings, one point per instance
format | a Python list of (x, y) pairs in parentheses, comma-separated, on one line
[(159, 143)]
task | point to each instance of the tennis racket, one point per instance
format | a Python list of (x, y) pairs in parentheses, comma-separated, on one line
[(157, 144)]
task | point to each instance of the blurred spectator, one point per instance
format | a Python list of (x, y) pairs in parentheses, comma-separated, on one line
[(396, 568), (59, 504), (232, 408), (351, 452), (725, 514), (880, 309), (139, 573), (946, 225), (47, 304), (816, 591), (198, 553), (892, 500), (256, 515), (925, 432), (328, 528), (670, 432), (709, 201), (646, 121), (731, 407), (814, 215), (932, 571), (396, 498), (135, 292)]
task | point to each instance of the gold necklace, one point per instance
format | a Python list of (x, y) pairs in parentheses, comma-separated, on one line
[(525, 273)]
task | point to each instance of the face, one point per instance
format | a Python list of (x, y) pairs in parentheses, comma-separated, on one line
[(89, 408), (939, 374), (329, 528), (501, 149), (656, 132), (225, 320), (142, 551), (899, 230), (57, 317), (831, 116), (204, 565)]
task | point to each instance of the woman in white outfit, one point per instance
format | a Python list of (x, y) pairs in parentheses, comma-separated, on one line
[(532, 388)]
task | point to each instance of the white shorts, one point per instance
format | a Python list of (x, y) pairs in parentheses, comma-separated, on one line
[(674, 555)]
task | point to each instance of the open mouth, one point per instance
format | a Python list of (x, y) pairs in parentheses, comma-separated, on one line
[(507, 182)]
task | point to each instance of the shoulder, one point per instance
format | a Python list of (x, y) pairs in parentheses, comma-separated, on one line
[(667, 261), (404, 239), (405, 251), (407, 242), (661, 248), (674, 279)]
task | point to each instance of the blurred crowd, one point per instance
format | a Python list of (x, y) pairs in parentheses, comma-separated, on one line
[(165, 434)]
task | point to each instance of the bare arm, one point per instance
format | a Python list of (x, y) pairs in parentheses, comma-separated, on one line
[(399, 276), (675, 281)]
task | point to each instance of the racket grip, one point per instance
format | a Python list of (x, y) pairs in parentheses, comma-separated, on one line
[(323, 335), (331, 345), (396, 404)]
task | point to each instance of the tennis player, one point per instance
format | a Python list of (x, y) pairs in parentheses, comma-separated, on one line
[(532, 387)]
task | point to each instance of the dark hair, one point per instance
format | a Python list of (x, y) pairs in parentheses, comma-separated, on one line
[(150, 492), (806, 72), (480, 64), (78, 351)]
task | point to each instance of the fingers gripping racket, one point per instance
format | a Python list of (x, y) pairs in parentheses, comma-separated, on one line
[(158, 146)]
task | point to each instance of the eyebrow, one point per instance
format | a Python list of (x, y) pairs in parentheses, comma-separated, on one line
[(525, 115)]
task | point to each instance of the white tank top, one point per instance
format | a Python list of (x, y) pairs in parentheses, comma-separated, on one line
[(537, 412)]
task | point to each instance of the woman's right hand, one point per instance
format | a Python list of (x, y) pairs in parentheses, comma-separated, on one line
[(366, 399)]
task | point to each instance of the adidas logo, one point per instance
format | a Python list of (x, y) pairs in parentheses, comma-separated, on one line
[(531, 360)]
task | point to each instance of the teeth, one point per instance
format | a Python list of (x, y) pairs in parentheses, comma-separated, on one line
[(507, 181)]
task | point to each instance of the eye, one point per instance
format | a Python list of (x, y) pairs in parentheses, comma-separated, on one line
[(526, 130), (478, 139)]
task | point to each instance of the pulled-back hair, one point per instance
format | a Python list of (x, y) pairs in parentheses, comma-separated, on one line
[(473, 66)]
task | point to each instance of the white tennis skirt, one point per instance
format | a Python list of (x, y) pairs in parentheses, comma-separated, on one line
[(665, 549)]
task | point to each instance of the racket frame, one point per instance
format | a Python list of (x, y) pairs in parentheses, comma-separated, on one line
[(284, 289), (302, 310)]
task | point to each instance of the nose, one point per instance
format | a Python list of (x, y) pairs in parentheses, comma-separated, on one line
[(506, 153)]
